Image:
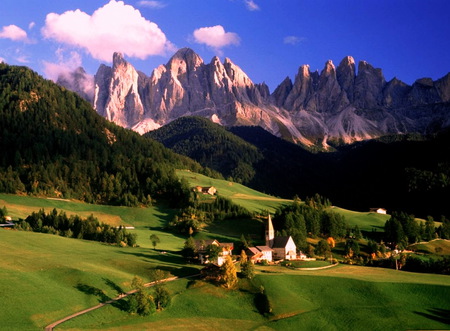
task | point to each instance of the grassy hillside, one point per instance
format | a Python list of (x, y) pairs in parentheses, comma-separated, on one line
[(46, 277), (357, 298), (253, 200), (366, 221)]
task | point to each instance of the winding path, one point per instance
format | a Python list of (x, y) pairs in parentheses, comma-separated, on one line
[(121, 296)]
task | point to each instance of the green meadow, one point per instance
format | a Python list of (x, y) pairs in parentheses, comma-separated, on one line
[(251, 199), (46, 277), (357, 298)]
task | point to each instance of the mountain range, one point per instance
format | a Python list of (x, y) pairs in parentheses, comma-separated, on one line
[(338, 105)]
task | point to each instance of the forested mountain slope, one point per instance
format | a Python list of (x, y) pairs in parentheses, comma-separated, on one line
[(53, 143), (408, 173)]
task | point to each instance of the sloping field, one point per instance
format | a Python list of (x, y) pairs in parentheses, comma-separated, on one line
[(254, 201), (358, 298), (438, 246), (366, 221), (46, 277), (145, 220)]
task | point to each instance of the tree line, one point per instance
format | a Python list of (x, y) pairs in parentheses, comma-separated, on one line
[(76, 227), (402, 229), (309, 219), (200, 212)]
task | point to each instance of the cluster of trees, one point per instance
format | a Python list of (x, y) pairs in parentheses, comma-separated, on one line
[(145, 303), (309, 219), (53, 143), (403, 229), (199, 213), (3, 213), (76, 227)]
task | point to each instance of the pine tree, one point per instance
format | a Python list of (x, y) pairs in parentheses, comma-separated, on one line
[(247, 267)]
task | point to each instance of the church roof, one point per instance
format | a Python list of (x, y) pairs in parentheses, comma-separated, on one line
[(280, 242), (263, 248)]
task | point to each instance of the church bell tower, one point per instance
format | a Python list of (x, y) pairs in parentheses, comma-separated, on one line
[(270, 232)]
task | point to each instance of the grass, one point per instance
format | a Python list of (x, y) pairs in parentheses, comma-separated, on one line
[(46, 277), (253, 200), (366, 221), (438, 247), (41, 275), (200, 306), (357, 298)]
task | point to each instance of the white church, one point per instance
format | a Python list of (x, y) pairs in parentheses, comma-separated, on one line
[(276, 248)]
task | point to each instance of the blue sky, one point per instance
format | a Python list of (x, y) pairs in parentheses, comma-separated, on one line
[(268, 39)]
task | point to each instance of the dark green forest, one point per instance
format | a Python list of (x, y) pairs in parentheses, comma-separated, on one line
[(409, 173), (53, 143), (211, 145)]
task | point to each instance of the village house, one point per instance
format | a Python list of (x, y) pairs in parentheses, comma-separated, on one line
[(378, 210), (202, 249), (259, 253), (211, 190)]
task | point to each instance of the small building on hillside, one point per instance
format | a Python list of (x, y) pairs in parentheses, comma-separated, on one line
[(202, 247), (378, 210), (211, 190)]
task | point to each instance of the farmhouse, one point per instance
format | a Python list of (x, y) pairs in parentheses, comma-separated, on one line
[(378, 210), (203, 248), (211, 190)]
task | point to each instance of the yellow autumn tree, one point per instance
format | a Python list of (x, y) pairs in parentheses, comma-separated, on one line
[(331, 242), (229, 275)]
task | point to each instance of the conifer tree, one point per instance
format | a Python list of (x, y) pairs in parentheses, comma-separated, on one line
[(229, 276)]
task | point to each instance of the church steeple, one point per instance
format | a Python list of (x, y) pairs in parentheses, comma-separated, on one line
[(270, 232)]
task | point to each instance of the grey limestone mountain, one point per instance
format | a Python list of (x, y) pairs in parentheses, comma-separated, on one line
[(338, 104)]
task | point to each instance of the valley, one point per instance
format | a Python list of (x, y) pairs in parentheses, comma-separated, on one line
[(305, 154), (46, 277)]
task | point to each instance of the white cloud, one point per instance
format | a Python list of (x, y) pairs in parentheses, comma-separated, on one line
[(31, 25), (152, 4), (215, 37), (251, 5), (2, 60), (67, 63), (293, 40), (115, 27), (14, 33), (23, 59)]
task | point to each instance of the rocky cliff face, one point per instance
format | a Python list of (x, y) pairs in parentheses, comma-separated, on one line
[(337, 104)]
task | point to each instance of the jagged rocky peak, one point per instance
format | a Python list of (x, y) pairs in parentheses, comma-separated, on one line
[(118, 59), (345, 74), (282, 91), (236, 74), (338, 103), (185, 59), (329, 69)]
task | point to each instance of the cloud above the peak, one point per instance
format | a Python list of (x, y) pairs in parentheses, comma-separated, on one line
[(115, 27), (251, 5), (293, 40), (215, 37), (14, 33), (152, 4)]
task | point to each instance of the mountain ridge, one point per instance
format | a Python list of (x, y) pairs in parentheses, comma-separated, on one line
[(340, 104)]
